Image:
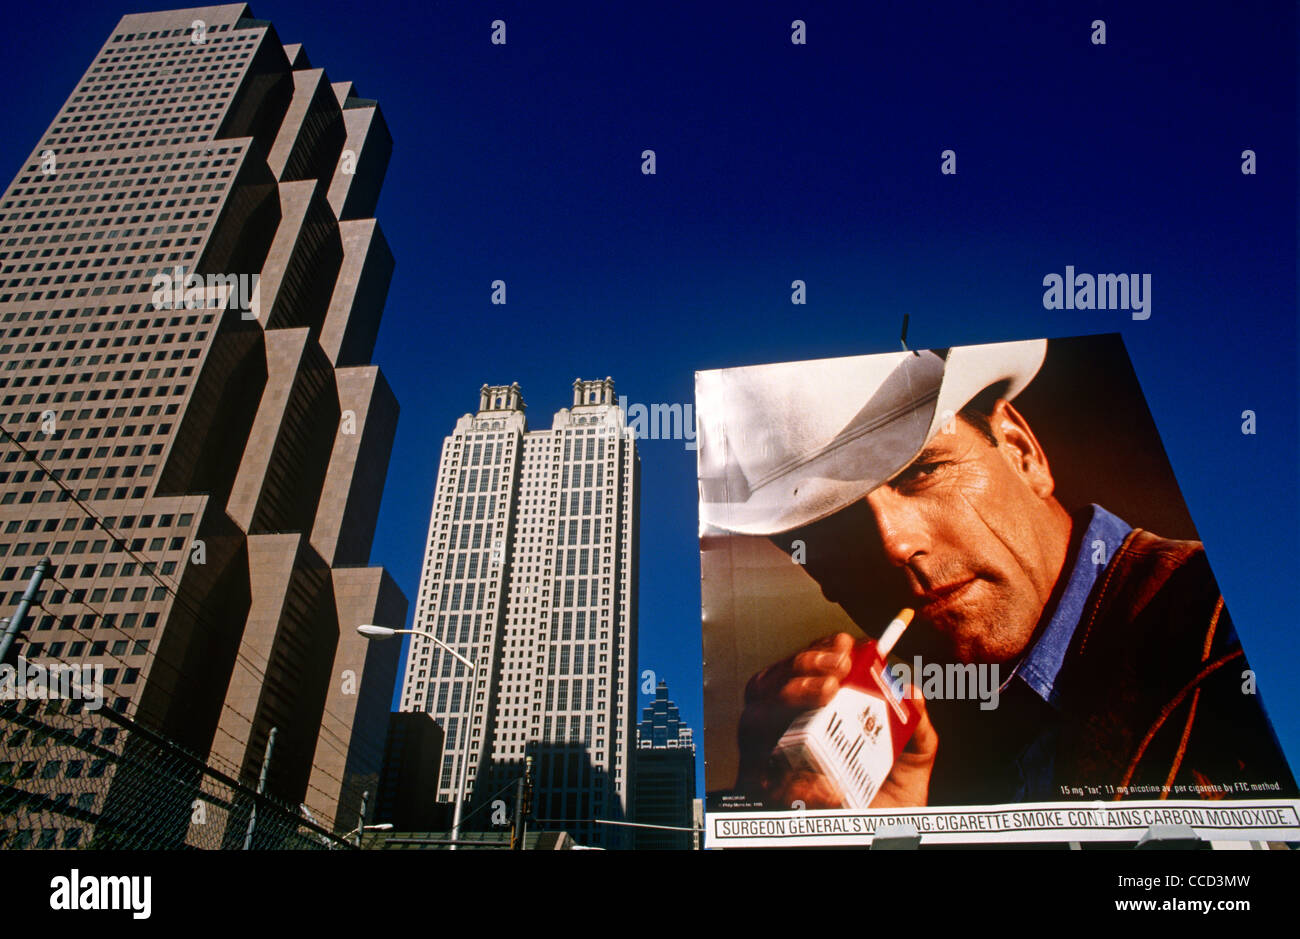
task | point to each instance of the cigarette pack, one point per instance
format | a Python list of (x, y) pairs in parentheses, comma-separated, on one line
[(854, 740)]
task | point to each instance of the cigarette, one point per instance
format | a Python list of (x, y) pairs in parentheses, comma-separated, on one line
[(894, 630)]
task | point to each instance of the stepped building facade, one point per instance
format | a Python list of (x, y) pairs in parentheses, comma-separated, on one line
[(191, 284)]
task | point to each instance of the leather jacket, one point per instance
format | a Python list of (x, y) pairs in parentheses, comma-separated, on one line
[(1160, 700)]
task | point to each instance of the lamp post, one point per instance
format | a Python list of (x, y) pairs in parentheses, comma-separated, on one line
[(384, 632)]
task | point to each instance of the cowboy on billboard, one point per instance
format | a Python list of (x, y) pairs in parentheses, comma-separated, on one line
[(915, 476)]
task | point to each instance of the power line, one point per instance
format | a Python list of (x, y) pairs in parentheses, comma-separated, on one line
[(148, 567), (225, 705)]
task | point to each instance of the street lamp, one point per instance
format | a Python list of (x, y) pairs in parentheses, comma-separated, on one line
[(384, 632), (382, 826)]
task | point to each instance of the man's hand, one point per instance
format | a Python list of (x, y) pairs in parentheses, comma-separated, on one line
[(807, 680), (908, 782)]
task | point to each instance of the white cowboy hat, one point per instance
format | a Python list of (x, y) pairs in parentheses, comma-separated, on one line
[(784, 445)]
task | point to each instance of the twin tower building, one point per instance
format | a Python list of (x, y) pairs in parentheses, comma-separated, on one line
[(191, 285), (530, 572)]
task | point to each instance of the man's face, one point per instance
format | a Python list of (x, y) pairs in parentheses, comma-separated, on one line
[(976, 534)]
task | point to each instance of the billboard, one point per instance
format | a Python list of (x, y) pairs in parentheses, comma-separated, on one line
[(959, 590)]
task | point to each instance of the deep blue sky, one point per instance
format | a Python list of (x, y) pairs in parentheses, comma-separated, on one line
[(818, 162)]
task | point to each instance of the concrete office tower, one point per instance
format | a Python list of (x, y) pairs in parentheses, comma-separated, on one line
[(530, 572), (412, 762), (236, 438), (665, 776)]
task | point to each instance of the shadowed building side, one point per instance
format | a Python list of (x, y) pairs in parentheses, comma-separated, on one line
[(226, 447)]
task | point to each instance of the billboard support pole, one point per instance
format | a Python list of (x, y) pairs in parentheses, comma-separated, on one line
[(896, 836), (1169, 838)]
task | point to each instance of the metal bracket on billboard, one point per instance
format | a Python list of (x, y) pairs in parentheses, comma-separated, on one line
[(1170, 838), (903, 337), (896, 837)]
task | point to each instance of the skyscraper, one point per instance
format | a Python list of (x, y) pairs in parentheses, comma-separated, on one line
[(665, 776), (190, 289), (530, 572)]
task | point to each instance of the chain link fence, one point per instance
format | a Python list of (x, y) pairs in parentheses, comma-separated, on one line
[(71, 777)]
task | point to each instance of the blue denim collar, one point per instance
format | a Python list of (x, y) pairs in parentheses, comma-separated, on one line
[(1042, 663)]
